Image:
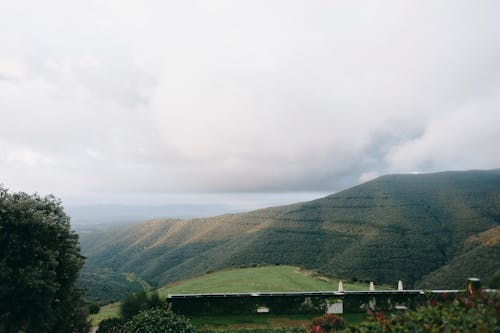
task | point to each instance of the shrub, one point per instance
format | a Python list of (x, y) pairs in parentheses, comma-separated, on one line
[(137, 302), (476, 313), (111, 325), (94, 308), (158, 320), (328, 322), (257, 330), (494, 282)]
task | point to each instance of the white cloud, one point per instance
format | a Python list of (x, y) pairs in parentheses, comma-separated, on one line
[(464, 138), (367, 176), (227, 96), (12, 69)]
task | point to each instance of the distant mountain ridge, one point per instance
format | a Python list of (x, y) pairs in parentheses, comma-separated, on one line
[(430, 230)]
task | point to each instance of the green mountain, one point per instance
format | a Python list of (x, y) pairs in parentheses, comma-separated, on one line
[(417, 228), (480, 256)]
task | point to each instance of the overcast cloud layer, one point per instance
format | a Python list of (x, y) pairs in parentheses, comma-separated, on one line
[(165, 97)]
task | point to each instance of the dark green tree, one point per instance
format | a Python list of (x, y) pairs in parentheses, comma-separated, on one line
[(137, 302), (494, 282), (39, 262), (94, 308), (111, 325)]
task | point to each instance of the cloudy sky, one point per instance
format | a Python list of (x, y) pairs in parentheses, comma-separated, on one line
[(242, 102)]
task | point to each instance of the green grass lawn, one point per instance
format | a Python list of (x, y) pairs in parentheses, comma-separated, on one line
[(258, 279), (107, 311), (263, 320)]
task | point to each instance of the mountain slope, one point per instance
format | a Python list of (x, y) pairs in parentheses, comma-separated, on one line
[(479, 257), (394, 227)]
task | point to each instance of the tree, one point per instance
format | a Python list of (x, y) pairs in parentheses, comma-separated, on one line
[(94, 308), (39, 262), (137, 302)]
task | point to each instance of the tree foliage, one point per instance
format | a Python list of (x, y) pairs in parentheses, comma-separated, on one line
[(158, 320), (111, 325), (467, 314), (137, 302), (39, 262), (94, 308), (258, 330)]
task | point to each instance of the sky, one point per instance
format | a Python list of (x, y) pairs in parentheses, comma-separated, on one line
[(243, 104)]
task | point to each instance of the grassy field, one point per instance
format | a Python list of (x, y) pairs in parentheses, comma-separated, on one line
[(258, 279), (107, 311), (263, 321), (252, 279)]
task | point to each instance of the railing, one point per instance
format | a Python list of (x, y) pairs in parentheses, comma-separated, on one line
[(298, 302)]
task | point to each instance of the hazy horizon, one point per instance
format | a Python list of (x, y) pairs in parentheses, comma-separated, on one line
[(134, 209)]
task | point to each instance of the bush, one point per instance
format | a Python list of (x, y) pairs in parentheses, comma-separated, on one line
[(111, 325), (328, 322), (476, 313), (137, 302), (94, 308), (494, 282), (257, 330), (158, 320)]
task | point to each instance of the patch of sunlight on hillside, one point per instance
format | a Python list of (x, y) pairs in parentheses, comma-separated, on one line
[(490, 237)]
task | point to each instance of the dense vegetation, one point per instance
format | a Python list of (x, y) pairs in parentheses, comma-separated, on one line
[(158, 318), (137, 302), (39, 262), (479, 313), (427, 230), (258, 330), (480, 257), (111, 325), (328, 322), (105, 284)]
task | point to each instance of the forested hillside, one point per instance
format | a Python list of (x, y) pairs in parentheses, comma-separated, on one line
[(417, 228)]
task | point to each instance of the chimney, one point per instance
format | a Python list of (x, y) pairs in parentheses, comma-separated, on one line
[(473, 285)]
